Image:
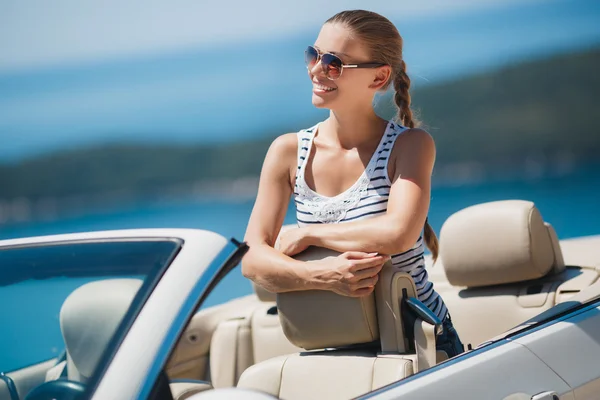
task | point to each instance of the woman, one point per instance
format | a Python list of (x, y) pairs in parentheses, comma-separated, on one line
[(361, 184)]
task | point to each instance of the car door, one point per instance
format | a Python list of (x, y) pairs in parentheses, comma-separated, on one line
[(571, 348), (556, 359)]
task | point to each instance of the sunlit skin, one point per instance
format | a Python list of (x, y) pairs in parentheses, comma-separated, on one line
[(342, 148)]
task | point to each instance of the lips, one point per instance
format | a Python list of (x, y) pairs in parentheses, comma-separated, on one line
[(322, 88)]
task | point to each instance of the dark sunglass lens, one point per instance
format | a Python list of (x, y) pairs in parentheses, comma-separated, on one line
[(310, 56), (332, 66)]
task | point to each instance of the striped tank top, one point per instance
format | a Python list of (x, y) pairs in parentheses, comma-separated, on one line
[(367, 198)]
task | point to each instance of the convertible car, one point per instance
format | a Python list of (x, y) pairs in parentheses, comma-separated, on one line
[(118, 315)]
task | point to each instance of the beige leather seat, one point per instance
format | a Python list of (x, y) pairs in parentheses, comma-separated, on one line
[(330, 326), (240, 342), (89, 318), (500, 266), (190, 359)]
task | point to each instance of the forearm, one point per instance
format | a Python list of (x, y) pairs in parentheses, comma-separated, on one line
[(275, 271), (382, 235)]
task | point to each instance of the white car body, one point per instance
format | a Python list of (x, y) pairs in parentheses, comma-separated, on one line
[(557, 358)]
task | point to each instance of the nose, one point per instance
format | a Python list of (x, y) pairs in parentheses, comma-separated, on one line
[(317, 69)]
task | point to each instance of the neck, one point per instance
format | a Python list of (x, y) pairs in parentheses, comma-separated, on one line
[(353, 128)]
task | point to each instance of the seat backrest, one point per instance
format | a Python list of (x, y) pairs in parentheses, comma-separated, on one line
[(345, 337), (89, 318), (255, 336), (240, 342), (582, 251), (500, 264), (190, 359)]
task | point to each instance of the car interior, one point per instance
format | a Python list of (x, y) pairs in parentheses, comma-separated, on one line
[(500, 266)]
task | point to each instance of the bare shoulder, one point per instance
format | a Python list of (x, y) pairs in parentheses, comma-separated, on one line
[(280, 161), (413, 154), (415, 140), (284, 146)]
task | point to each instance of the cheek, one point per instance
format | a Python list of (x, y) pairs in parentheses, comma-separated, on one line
[(350, 85)]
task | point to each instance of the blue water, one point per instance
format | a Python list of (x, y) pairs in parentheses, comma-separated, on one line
[(570, 204)]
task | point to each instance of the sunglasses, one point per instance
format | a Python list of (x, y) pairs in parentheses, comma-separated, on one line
[(331, 64)]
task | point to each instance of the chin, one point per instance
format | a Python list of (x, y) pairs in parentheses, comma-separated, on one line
[(320, 102)]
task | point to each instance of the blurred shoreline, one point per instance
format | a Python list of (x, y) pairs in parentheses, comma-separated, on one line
[(525, 123), (24, 210)]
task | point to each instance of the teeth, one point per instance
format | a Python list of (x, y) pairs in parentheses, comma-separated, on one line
[(323, 87)]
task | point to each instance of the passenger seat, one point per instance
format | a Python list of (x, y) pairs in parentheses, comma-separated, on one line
[(238, 343), (501, 265), (89, 318), (355, 345)]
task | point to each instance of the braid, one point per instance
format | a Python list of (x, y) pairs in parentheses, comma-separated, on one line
[(431, 240), (402, 96), (405, 115)]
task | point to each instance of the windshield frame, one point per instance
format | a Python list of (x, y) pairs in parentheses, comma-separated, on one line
[(136, 363), (151, 277)]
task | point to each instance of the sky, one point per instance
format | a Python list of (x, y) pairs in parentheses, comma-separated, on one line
[(84, 73), (40, 33)]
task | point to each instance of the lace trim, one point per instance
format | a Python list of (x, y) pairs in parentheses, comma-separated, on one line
[(333, 209)]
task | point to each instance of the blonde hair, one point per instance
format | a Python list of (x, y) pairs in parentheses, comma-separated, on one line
[(385, 43)]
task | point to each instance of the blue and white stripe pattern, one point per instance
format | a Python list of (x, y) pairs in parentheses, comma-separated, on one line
[(368, 197)]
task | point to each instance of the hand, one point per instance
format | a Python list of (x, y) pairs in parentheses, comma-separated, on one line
[(292, 241), (352, 274)]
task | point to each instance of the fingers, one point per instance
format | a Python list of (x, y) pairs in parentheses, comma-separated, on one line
[(364, 287), (360, 273), (376, 261), (366, 273), (357, 255), (367, 282)]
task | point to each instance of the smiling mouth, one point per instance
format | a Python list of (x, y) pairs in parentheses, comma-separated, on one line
[(322, 88)]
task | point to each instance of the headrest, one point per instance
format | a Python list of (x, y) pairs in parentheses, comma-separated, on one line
[(498, 242), (89, 318), (317, 319)]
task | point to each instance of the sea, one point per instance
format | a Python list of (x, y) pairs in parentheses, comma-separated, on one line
[(29, 328)]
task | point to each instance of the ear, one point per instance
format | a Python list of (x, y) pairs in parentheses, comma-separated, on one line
[(382, 75)]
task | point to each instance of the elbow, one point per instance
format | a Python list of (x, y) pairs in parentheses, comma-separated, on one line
[(250, 261), (251, 269), (257, 276), (248, 270)]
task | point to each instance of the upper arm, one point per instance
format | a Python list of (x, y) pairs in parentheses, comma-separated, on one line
[(411, 166), (274, 191)]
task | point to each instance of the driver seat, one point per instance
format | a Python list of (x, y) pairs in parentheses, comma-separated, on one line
[(354, 345), (89, 318)]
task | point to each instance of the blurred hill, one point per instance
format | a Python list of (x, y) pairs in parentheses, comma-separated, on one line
[(530, 119)]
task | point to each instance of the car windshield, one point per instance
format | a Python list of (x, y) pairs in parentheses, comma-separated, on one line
[(69, 298)]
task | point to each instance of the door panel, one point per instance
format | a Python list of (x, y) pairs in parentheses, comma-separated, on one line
[(493, 374), (572, 349)]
